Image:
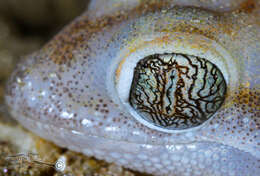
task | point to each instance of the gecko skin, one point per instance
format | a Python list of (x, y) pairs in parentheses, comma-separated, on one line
[(69, 91)]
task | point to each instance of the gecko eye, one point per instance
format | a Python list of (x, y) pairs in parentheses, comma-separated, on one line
[(176, 91), (175, 78)]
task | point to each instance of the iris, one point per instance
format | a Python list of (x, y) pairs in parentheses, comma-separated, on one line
[(176, 91)]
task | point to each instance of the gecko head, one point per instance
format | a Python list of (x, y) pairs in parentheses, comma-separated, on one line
[(174, 80)]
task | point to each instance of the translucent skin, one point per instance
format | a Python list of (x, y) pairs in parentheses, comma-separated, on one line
[(64, 92)]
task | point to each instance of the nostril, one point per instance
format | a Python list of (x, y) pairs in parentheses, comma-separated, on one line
[(33, 91), (15, 84), (24, 88)]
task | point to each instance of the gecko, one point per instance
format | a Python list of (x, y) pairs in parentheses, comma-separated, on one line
[(75, 91)]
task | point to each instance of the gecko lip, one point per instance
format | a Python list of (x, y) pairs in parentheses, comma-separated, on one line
[(46, 130)]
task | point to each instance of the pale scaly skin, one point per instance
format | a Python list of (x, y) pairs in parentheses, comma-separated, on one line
[(64, 92)]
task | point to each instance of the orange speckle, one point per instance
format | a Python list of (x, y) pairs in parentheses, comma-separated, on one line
[(247, 84)]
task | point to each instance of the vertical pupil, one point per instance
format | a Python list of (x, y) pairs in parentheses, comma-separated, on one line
[(176, 91)]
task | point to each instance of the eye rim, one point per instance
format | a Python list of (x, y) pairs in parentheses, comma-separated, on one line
[(148, 36), (164, 43)]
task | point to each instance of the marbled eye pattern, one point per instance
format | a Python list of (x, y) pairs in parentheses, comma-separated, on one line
[(176, 91)]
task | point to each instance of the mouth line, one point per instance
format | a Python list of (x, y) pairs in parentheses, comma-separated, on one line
[(25, 121)]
